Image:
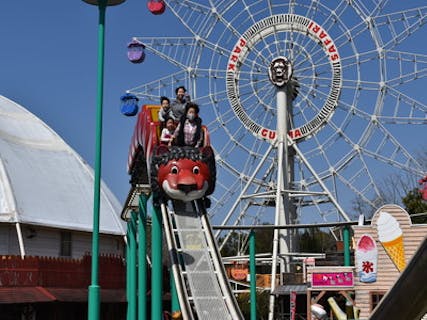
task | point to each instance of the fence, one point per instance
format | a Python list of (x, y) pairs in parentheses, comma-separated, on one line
[(61, 272)]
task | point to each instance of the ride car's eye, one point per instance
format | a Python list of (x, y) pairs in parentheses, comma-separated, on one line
[(174, 170), (196, 170)]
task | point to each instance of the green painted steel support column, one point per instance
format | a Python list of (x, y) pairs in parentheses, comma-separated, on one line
[(94, 288), (156, 265), (252, 272), (132, 307), (346, 240), (128, 266), (174, 294), (142, 261)]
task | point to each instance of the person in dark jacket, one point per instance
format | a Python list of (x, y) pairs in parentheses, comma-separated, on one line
[(165, 111), (179, 104)]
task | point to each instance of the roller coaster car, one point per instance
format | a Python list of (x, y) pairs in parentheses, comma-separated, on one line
[(180, 173)]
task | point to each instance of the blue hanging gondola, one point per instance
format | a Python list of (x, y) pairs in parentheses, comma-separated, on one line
[(156, 6), (129, 105), (136, 51)]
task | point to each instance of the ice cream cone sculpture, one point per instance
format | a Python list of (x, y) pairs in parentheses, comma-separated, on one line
[(366, 258), (391, 238)]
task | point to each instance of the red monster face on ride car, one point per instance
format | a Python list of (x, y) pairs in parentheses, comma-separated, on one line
[(184, 179), (184, 174)]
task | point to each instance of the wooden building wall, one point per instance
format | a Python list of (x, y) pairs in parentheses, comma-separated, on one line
[(387, 273), (5, 238), (46, 242)]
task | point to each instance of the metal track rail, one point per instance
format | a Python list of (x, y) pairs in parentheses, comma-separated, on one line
[(201, 281)]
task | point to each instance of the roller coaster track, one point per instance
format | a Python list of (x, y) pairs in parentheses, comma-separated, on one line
[(202, 285)]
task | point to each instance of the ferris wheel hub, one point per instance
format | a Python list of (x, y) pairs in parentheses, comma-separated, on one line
[(280, 71)]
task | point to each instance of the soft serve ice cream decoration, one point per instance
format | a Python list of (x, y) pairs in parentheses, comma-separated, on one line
[(391, 237)]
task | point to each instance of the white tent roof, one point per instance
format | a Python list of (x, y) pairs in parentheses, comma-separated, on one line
[(45, 182)]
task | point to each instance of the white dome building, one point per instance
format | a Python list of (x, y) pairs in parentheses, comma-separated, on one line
[(46, 193)]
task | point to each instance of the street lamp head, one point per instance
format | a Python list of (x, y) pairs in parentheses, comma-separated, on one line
[(105, 2)]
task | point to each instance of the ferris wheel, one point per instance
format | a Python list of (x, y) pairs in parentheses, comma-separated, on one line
[(355, 100)]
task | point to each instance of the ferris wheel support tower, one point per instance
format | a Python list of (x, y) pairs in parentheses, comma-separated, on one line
[(280, 75), (280, 72)]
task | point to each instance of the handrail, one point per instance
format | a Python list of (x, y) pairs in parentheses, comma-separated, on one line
[(177, 273)]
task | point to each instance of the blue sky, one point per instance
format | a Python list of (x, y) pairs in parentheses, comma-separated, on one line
[(48, 63)]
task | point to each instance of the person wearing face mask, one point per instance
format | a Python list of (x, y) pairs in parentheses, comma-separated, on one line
[(179, 104), (189, 129)]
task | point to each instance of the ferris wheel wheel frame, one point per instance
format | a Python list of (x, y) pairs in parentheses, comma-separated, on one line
[(258, 31)]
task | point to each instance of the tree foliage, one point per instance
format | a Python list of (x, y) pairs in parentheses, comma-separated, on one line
[(238, 241), (392, 190), (264, 240), (262, 298), (231, 247), (414, 203), (315, 240)]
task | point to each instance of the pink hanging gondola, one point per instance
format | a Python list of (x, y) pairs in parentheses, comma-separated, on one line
[(156, 6)]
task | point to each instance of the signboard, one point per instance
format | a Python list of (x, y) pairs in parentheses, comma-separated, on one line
[(332, 279), (366, 259), (239, 271), (293, 304)]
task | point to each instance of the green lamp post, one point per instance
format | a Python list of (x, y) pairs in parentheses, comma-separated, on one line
[(94, 289)]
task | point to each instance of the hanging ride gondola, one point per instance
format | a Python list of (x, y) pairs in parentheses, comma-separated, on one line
[(136, 51), (423, 189), (156, 6), (129, 106)]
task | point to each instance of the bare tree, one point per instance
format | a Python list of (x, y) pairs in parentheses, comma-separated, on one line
[(392, 189)]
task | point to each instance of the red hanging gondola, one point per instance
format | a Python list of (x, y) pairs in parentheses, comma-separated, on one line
[(156, 6), (136, 51), (423, 191)]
